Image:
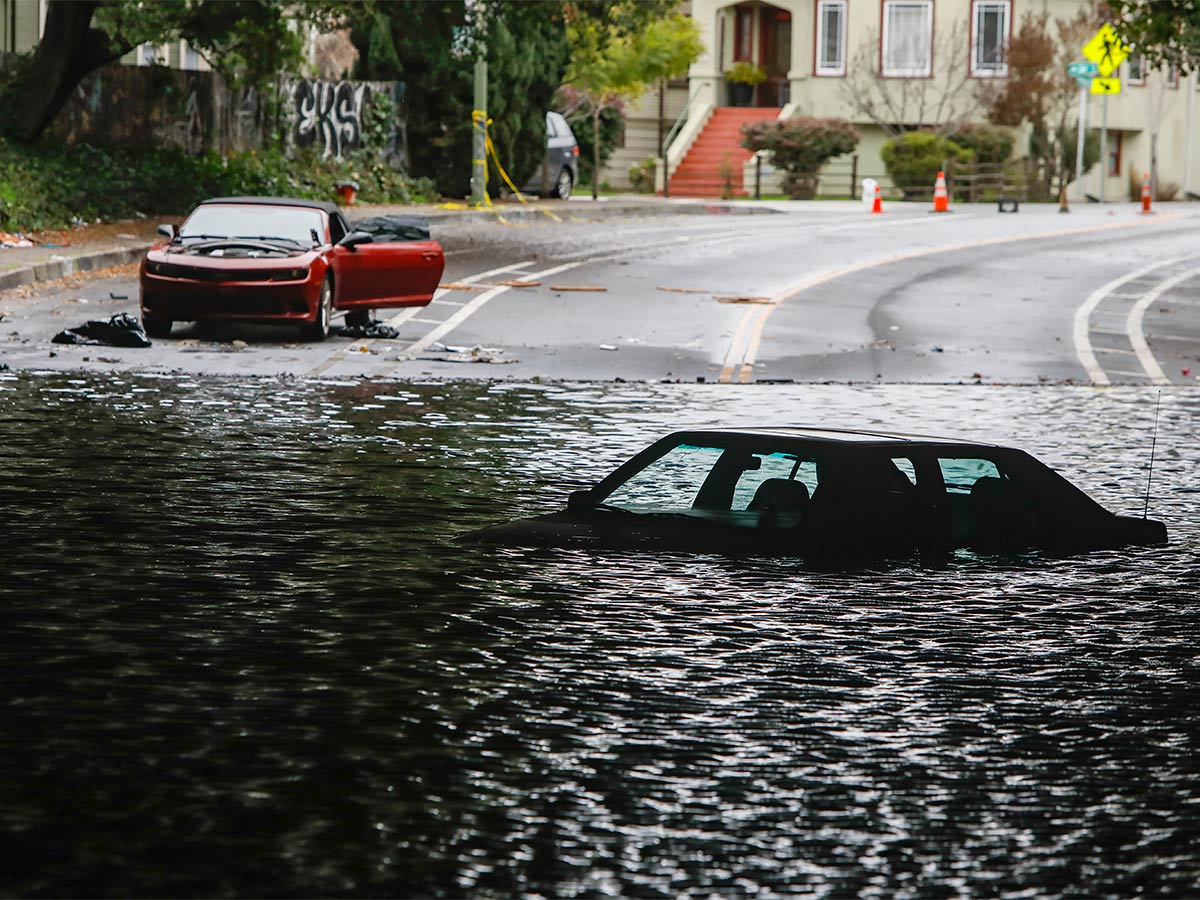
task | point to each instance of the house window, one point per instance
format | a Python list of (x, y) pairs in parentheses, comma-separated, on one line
[(831, 37), (907, 38), (743, 33), (1137, 69), (989, 37), (1114, 154), (1173, 77)]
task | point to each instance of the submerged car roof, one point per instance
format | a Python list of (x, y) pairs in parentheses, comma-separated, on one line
[(329, 208), (836, 435)]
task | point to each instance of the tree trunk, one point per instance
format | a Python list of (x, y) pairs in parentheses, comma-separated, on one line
[(595, 151), (69, 50)]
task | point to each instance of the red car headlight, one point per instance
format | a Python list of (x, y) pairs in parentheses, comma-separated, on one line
[(292, 275)]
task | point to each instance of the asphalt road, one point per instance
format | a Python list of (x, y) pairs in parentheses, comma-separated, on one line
[(804, 292)]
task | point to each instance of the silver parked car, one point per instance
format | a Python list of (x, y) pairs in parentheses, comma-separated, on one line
[(559, 170)]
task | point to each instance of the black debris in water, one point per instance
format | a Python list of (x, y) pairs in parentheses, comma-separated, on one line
[(122, 330)]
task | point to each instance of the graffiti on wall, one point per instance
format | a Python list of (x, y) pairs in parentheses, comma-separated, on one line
[(329, 115)]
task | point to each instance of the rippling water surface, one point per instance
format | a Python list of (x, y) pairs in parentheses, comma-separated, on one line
[(244, 656)]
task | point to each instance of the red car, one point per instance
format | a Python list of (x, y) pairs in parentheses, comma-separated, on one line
[(273, 259)]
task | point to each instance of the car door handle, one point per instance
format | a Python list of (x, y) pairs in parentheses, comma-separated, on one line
[(430, 254)]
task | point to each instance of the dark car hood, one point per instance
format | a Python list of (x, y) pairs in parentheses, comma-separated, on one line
[(232, 255)]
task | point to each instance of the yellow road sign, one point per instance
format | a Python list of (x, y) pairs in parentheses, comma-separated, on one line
[(1106, 85), (1107, 51)]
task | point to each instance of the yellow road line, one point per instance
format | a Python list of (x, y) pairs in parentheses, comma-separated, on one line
[(756, 319)]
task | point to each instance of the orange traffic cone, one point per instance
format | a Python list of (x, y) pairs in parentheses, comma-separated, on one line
[(878, 207), (941, 199), (1146, 192)]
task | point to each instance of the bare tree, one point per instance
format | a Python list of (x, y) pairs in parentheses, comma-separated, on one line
[(941, 102)]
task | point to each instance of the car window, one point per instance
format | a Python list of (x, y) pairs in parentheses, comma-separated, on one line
[(961, 473), (905, 465), (294, 223), (337, 228), (551, 130), (774, 466), (671, 482), (389, 229)]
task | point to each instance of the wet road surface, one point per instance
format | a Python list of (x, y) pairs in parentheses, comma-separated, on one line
[(246, 657), (822, 292)]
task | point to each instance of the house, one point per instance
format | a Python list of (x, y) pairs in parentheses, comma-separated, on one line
[(918, 62)]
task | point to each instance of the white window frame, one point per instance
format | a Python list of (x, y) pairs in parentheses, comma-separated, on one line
[(924, 71), (979, 68), (839, 68), (1136, 78)]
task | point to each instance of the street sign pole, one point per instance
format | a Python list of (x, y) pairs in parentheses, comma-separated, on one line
[(1104, 149), (1079, 190)]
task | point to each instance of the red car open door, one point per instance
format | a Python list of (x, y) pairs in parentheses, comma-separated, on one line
[(387, 262)]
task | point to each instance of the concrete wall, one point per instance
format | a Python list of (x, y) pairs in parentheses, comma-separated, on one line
[(198, 111)]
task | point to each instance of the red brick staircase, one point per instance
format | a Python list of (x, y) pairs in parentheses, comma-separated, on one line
[(699, 174)]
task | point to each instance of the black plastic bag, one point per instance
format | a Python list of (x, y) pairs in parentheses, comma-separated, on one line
[(122, 330)]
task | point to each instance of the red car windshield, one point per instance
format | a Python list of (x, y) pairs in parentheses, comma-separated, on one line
[(291, 223)]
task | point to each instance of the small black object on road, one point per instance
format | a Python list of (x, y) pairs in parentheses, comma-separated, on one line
[(122, 330)]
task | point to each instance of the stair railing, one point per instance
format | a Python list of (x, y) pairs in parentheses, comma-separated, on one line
[(680, 121)]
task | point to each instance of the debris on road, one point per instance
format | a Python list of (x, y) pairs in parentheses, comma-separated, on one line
[(461, 354), (112, 295), (674, 290), (740, 299), (373, 330), (457, 286), (586, 287), (14, 241), (515, 283), (122, 330), (608, 347)]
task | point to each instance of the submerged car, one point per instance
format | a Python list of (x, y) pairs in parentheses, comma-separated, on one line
[(818, 491), (274, 259)]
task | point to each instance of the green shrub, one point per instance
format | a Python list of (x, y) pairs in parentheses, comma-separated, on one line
[(641, 175), (991, 145), (800, 147), (914, 158), (51, 186)]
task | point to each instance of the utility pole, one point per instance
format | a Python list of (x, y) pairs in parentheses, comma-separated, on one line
[(1187, 139), (479, 125)]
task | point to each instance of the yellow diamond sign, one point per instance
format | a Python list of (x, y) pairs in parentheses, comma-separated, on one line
[(1107, 51), (1106, 85)]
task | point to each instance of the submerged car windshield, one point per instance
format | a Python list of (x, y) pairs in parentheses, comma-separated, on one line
[(289, 224)]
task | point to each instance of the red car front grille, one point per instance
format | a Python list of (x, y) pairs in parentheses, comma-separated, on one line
[(198, 273)]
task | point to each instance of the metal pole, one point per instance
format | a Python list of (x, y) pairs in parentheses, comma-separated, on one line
[(758, 176), (1104, 151), (1187, 140), (1079, 139), (854, 177), (479, 131)]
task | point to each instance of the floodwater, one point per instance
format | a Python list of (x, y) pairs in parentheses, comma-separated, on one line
[(244, 656)]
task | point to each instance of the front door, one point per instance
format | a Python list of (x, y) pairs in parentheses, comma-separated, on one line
[(775, 55), (387, 274)]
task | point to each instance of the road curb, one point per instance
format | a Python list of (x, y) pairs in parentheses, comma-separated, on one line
[(599, 210), (85, 262)]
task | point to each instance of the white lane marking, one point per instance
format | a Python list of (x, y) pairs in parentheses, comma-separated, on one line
[(474, 306), (1115, 350), (1137, 336), (410, 312), (1130, 374), (1083, 343)]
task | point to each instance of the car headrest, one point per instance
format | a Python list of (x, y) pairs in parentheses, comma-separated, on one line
[(780, 493)]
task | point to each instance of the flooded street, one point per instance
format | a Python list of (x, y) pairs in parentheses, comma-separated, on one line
[(246, 657)]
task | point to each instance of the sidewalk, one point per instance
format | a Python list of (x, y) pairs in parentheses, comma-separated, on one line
[(88, 248), (82, 249)]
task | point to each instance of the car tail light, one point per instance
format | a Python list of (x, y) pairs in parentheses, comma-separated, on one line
[(575, 149)]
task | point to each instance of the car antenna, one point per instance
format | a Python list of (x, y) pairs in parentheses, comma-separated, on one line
[(1153, 441)]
